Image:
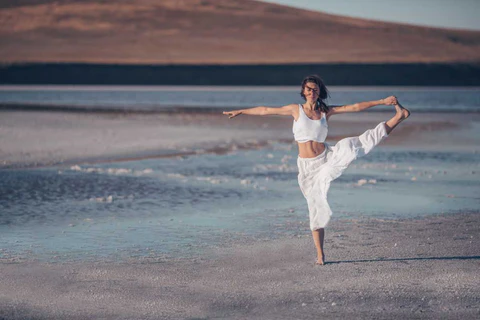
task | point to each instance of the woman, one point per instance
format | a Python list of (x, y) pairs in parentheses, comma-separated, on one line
[(318, 163)]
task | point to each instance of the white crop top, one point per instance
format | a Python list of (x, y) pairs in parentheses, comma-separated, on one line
[(306, 129)]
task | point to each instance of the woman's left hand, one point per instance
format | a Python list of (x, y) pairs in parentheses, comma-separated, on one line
[(390, 100)]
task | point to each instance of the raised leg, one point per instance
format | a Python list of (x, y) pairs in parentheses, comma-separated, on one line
[(401, 115), (318, 238)]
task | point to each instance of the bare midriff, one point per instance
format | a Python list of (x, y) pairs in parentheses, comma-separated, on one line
[(310, 149)]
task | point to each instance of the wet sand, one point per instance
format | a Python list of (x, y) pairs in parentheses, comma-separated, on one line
[(30, 138), (396, 269)]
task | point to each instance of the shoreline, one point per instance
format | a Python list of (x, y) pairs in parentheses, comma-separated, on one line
[(423, 267), (157, 109)]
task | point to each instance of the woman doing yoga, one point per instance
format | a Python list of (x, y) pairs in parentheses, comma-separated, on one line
[(319, 163)]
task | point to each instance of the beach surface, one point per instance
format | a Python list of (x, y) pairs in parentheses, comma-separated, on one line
[(392, 269)]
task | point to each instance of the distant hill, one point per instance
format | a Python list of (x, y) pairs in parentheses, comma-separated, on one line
[(214, 32)]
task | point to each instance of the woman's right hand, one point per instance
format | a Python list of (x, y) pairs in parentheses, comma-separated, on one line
[(232, 114)]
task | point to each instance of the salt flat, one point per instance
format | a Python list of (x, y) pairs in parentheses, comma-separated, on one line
[(30, 139)]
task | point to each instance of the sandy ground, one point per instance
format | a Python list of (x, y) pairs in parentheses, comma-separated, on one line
[(44, 138), (426, 268)]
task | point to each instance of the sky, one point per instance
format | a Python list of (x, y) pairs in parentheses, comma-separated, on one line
[(458, 14)]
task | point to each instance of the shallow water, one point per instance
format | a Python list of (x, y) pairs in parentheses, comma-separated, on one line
[(174, 207), (157, 98)]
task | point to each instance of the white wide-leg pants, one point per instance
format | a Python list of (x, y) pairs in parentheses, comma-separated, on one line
[(315, 174)]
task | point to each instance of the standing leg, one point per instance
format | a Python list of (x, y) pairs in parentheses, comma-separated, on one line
[(401, 115), (314, 185), (318, 238)]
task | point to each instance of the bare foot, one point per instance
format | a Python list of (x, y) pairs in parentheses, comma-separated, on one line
[(402, 112), (321, 261)]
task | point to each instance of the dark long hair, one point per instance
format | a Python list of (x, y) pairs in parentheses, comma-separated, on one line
[(322, 96)]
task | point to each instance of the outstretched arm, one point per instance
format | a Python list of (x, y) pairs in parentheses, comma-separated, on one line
[(263, 111), (357, 107)]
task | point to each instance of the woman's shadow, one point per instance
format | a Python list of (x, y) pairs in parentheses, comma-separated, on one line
[(406, 259)]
